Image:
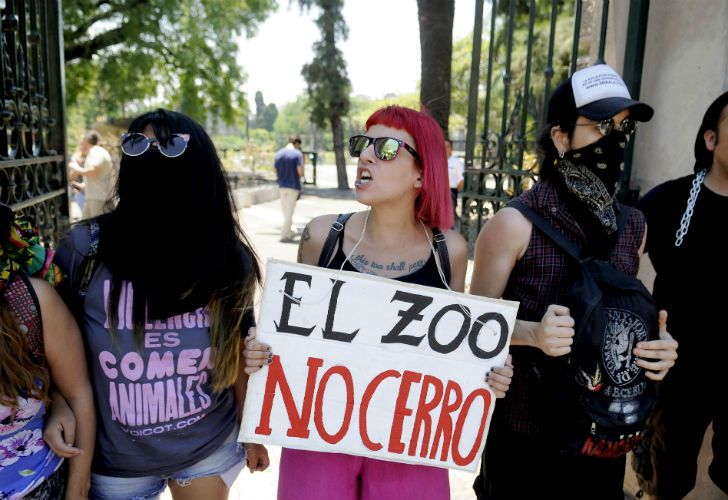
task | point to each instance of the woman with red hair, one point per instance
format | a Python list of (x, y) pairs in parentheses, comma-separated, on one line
[(402, 176)]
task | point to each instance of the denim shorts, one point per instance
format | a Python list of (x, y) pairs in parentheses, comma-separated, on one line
[(226, 462)]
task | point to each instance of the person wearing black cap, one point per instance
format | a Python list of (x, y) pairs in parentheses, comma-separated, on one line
[(590, 119), (687, 220)]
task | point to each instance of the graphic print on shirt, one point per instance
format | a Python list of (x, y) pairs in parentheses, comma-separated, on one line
[(164, 385)]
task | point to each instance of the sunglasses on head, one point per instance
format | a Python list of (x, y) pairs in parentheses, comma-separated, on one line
[(385, 148), (136, 144), (606, 127)]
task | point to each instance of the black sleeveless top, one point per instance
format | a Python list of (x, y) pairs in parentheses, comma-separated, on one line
[(426, 275)]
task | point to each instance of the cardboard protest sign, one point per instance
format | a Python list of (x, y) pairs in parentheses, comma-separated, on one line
[(370, 366)]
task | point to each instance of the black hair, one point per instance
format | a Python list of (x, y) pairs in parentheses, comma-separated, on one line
[(174, 234), (294, 139), (711, 119), (547, 150)]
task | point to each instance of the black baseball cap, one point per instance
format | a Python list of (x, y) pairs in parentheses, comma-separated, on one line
[(597, 92)]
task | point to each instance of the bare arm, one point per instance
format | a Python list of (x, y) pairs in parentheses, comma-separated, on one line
[(500, 244), (67, 362), (257, 454)]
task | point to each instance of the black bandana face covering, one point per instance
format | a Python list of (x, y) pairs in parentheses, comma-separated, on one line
[(591, 176)]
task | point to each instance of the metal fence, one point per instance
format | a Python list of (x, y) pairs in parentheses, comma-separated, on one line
[(532, 45), (32, 138)]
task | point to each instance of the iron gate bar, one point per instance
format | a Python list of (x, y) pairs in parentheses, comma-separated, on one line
[(506, 83), (633, 60), (521, 141), (473, 87), (548, 72), (603, 31), (488, 86), (32, 140), (577, 33)]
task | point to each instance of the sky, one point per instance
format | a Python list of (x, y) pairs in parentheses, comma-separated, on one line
[(273, 58)]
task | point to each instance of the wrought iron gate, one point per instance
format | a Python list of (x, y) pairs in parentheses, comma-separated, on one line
[(32, 138), (533, 45)]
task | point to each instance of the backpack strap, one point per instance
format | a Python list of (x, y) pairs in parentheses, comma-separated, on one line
[(549, 230), (442, 254), (23, 303), (327, 251), (88, 266)]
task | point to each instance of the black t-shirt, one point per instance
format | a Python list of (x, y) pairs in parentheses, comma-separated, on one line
[(688, 275)]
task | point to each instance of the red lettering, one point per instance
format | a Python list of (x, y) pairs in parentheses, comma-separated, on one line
[(444, 423), (276, 378), (400, 411), (345, 375), (456, 457), (365, 400), (422, 417)]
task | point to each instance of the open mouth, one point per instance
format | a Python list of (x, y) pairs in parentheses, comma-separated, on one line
[(365, 177)]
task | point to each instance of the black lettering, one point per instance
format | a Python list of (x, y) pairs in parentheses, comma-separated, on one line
[(329, 332), (431, 334), (419, 303), (288, 300), (475, 331)]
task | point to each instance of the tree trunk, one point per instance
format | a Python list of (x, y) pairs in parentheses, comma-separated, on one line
[(338, 132), (436, 19)]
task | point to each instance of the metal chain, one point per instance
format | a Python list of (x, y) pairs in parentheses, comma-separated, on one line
[(685, 221)]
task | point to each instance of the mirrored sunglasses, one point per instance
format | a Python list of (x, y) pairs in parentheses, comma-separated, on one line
[(606, 127), (136, 144), (385, 148)]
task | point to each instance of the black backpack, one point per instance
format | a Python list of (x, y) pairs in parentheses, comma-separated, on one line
[(600, 399)]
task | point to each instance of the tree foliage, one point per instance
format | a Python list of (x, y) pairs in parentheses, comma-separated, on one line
[(328, 86), (127, 55)]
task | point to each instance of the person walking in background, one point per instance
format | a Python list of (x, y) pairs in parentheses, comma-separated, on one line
[(686, 243), (96, 171), (590, 119), (77, 185), (40, 347), (455, 171), (163, 288), (289, 168), (401, 177)]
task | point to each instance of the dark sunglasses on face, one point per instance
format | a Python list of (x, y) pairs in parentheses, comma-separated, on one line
[(606, 127), (385, 148), (136, 144)]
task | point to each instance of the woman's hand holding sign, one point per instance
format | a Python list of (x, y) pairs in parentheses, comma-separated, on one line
[(256, 354), (499, 380)]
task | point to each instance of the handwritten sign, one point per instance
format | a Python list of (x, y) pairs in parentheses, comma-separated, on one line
[(370, 366)]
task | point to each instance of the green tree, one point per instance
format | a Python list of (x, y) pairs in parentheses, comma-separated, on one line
[(259, 108), (436, 19), (328, 85), (123, 55), (270, 113)]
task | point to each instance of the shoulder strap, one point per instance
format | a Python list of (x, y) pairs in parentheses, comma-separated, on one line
[(24, 305), (549, 230), (327, 251), (556, 236), (441, 248), (88, 266)]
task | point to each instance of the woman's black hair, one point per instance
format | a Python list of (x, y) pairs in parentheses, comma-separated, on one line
[(174, 234), (711, 119), (547, 150)]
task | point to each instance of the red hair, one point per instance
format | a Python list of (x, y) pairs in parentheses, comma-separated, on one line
[(433, 204)]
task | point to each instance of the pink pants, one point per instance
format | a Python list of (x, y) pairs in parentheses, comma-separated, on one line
[(311, 475)]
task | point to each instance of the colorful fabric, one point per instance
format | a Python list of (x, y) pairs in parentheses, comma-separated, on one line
[(25, 459), (23, 252)]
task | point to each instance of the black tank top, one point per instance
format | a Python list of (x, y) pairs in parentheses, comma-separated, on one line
[(426, 275)]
